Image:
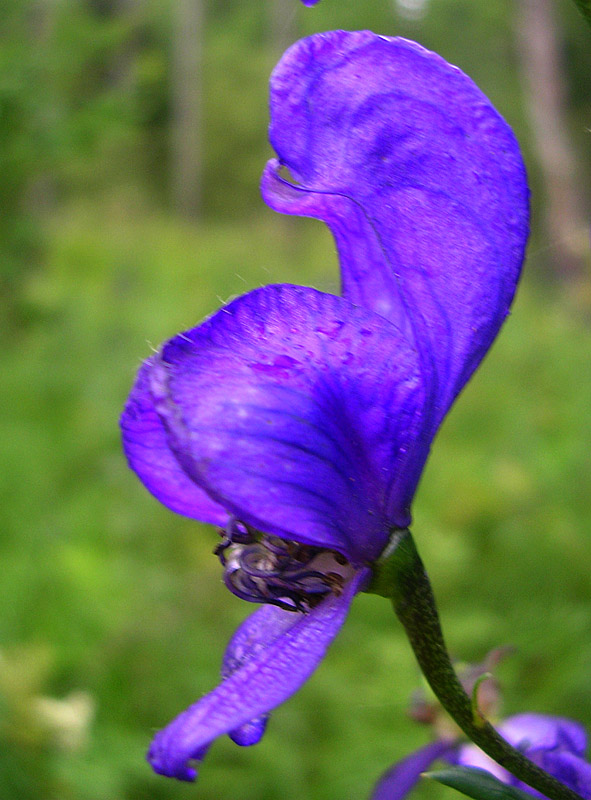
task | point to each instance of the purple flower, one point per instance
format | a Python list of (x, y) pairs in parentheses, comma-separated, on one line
[(557, 745), (299, 421)]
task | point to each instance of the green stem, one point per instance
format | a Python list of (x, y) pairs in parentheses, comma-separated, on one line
[(400, 575), (585, 9)]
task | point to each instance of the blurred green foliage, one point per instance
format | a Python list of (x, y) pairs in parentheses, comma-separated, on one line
[(114, 617)]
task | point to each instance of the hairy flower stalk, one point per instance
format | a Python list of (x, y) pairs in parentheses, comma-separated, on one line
[(401, 576)]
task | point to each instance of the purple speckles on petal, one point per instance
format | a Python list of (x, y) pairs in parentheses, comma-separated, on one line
[(277, 365)]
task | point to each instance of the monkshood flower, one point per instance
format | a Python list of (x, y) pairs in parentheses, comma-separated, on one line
[(556, 744), (298, 421)]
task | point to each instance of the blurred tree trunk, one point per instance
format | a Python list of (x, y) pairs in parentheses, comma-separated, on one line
[(282, 33), (281, 25), (544, 87), (186, 161), (40, 190), (122, 70)]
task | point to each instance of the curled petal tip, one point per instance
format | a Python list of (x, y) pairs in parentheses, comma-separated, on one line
[(159, 759), (265, 666)]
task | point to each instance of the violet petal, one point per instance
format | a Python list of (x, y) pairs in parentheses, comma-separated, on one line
[(256, 632), (544, 731), (556, 744), (261, 683), (571, 770), (404, 775), (296, 411), (148, 453), (421, 182)]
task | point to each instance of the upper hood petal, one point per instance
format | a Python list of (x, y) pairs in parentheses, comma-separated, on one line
[(421, 182)]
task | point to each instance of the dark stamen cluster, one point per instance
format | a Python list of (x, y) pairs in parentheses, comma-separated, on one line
[(266, 569)]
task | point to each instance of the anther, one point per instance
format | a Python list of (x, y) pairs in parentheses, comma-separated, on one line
[(262, 568)]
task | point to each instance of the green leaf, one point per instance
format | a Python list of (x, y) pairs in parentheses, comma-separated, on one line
[(477, 783)]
